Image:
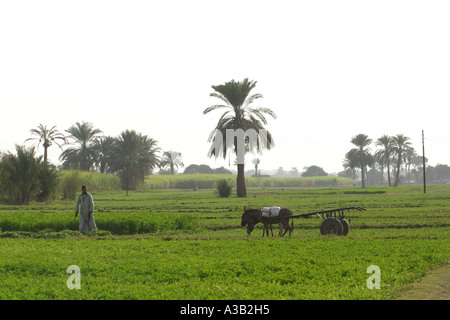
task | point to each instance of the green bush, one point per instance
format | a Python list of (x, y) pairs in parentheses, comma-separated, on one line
[(25, 178), (48, 177), (70, 184), (224, 188)]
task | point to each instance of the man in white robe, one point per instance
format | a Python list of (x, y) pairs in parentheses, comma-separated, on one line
[(85, 206)]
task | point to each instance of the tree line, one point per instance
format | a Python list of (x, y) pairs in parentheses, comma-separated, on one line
[(130, 155), (393, 155)]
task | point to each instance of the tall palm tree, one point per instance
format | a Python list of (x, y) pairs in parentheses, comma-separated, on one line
[(239, 114), (133, 156), (401, 144), (173, 160), (47, 137), (84, 155), (360, 156), (385, 154)]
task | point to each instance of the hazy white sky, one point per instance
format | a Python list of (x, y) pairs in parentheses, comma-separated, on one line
[(329, 70)]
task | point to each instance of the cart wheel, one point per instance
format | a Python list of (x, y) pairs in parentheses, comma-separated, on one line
[(331, 226), (345, 227)]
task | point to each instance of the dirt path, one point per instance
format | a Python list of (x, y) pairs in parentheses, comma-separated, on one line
[(434, 286)]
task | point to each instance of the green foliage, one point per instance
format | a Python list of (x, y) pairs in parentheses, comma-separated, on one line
[(117, 224), (22, 175), (74, 179), (69, 185), (25, 178), (224, 188), (48, 176)]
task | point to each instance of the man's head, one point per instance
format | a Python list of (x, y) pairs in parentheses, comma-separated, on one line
[(84, 189)]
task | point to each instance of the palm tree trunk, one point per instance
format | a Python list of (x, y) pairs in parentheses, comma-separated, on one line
[(397, 173), (240, 182), (362, 177), (388, 172), (46, 146)]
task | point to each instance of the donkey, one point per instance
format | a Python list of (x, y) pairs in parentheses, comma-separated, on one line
[(251, 217)]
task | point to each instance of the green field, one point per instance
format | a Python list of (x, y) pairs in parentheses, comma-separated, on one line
[(185, 244)]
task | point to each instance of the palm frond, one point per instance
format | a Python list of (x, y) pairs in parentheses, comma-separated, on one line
[(221, 97), (214, 107), (252, 98)]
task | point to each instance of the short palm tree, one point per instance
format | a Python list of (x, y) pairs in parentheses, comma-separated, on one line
[(22, 172), (256, 162), (173, 160), (47, 137), (84, 155), (239, 114), (360, 157), (133, 156)]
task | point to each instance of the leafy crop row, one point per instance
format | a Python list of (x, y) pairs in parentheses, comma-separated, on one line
[(320, 268), (120, 224)]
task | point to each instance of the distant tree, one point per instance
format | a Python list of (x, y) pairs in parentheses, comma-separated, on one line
[(47, 137), (438, 174), (411, 160), (442, 172), (401, 144), (133, 156), (239, 114), (280, 173), (314, 171), (294, 172), (85, 154), (384, 155), (256, 162), (350, 166), (171, 160), (347, 173), (195, 168), (222, 170), (360, 157)]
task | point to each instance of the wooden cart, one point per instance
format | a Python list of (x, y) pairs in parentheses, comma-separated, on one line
[(334, 221)]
